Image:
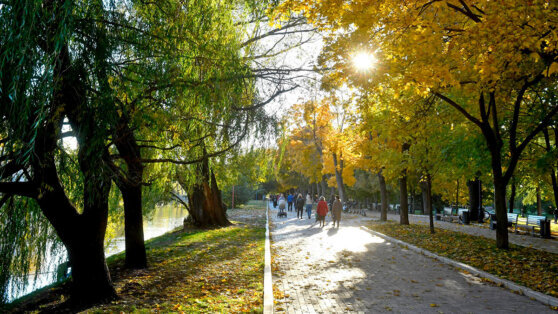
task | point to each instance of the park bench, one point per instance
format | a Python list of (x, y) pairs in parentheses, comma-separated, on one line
[(512, 220), (447, 215), (533, 221)]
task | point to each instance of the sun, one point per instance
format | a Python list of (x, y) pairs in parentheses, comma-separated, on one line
[(363, 61)]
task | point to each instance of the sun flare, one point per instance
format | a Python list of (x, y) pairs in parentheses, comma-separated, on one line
[(363, 61)]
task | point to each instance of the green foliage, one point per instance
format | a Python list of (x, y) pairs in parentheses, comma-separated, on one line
[(27, 239), (243, 193), (217, 270)]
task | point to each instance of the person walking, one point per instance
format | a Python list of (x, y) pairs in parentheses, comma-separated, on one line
[(290, 199), (322, 211), (282, 203), (336, 210), (299, 206), (274, 198), (555, 214), (308, 204)]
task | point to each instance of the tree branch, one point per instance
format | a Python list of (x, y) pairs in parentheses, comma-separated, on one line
[(261, 104), (459, 108), (26, 189)]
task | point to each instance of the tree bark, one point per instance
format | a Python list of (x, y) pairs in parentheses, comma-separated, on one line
[(424, 192), (91, 282), (457, 196), (136, 257), (539, 203), (205, 205), (429, 202), (474, 198), (425, 186), (512, 195), (324, 189), (339, 178), (553, 165), (129, 183), (404, 210), (383, 196), (501, 214), (553, 174), (82, 234)]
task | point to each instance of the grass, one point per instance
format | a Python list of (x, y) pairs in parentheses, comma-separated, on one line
[(194, 271), (529, 267)]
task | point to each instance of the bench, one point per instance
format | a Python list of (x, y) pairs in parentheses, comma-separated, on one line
[(447, 215), (533, 221), (512, 220)]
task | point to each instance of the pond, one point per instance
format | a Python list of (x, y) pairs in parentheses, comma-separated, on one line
[(164, 219)]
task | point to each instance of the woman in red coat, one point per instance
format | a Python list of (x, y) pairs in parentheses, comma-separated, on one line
[(322, 211)]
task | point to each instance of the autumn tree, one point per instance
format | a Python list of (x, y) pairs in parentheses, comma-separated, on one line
[(484, 59)]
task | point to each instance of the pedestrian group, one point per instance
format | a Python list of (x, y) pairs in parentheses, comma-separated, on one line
[(298, 203)]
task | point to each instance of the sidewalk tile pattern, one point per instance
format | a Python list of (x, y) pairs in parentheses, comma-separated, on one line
[(348, 270)]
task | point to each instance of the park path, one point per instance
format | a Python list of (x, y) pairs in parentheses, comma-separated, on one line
[(549, 245), (330, 270)]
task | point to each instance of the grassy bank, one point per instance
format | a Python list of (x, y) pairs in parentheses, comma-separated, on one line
[(532, 268), (216, 270)]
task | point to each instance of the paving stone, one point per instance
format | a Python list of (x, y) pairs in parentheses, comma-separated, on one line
[(330, 270)]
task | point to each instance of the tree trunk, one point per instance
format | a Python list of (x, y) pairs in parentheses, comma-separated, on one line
[(429, 202), (553, 165), (205, 204), (512, 195), (474, 198), (339, 179), (383, 196), (83, 237), (404, 210), (91, 282), (136, 256), (501, 214), (424, 192), (539, 203), (425, 186), (412, 207), (324, 189), (129, 183), (457, 196), (82, 234), (481, 211)]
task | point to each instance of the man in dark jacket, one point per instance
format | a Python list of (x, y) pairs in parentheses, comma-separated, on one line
[(299, 205)]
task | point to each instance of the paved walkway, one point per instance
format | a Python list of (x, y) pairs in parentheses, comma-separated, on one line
[(330, 270), (549, 245)]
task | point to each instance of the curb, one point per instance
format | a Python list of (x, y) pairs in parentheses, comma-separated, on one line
[(541, 297), (268, 284)]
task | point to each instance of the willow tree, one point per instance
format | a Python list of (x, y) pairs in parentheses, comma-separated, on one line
[(45, 77), (158, 81)]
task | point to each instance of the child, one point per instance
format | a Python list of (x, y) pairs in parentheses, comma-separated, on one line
[(322, 211)]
